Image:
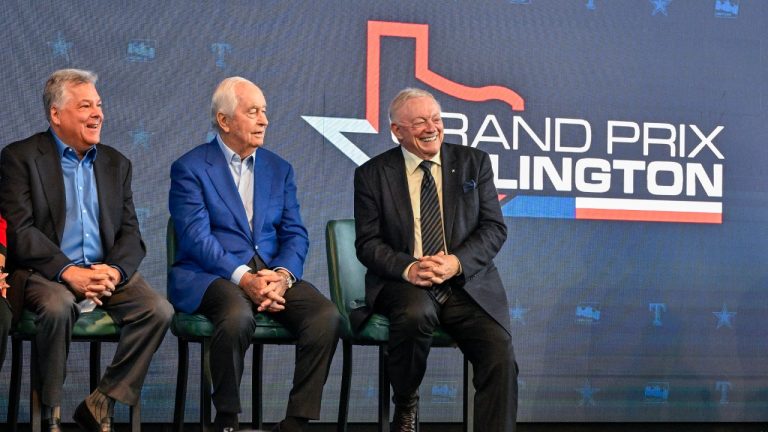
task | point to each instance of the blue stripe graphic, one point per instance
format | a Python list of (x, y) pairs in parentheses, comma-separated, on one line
[(540, 207)]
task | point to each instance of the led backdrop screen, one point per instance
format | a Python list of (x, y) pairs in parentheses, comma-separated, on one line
[(628, 140)]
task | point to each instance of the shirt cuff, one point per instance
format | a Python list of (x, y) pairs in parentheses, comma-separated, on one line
[(61, 272), (238, 274), (407, 269), (120, 270), (460, 271), (293, 278)]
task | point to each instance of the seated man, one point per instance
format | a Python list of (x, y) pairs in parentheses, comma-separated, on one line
[(72, 226), (428, 225), (242, 247)]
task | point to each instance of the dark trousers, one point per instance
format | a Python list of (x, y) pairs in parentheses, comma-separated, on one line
[(308, 314), (414, 314), (5, 327), (142, 314)]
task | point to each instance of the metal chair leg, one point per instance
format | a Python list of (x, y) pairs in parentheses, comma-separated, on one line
[(384, 395), (469, 397), (35, 408), (257, 388), (182, 373), (17, 346), (346, 384), (95, 364), (205, 385)]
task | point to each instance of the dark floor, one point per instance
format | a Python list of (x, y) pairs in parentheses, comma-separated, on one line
[(522, 427)]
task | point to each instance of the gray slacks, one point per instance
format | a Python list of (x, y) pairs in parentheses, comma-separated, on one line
[(142, 314)]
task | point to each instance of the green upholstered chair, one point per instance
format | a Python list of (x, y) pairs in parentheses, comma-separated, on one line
[(346, 277), (93, 327), (197, 328)]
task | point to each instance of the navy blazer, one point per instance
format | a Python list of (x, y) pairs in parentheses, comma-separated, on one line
[(212, 227), (474, 226)]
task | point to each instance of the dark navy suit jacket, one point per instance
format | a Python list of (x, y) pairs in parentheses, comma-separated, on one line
[(474, 226)]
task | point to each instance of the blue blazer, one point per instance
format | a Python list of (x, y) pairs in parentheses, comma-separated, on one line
[(212, 227)]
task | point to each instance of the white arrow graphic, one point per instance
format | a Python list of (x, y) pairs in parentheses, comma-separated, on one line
[(333, 128)]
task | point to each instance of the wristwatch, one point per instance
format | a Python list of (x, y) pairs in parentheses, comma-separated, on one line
[(288, 279)]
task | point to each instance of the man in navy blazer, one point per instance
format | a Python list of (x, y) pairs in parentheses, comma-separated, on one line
[(458, 286), (242, 247)]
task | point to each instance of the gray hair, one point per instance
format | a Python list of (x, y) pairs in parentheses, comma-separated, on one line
[(224, 99), (53, 94), (403, 96)]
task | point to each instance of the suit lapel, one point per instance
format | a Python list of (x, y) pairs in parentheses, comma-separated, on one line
[(107, 185), (451, 190), (262, 184), (52, 179), (221, 179), (396, 182)]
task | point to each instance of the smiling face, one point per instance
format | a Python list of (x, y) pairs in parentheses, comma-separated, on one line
[(243, 131), (77, 120), (418, 127)]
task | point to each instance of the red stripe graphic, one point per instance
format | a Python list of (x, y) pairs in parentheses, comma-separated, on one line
[(649, 216)]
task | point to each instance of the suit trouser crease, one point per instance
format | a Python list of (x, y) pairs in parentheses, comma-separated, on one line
[(414, 314), (142, 314)]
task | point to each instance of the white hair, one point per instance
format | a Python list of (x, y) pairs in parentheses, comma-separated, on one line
[(54, 95)]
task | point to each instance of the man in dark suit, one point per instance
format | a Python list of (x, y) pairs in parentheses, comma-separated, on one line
[(428, 233), (72, 228), (242, 247)]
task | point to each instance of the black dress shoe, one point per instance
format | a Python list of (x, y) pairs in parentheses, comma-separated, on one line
[(404, 419), (52, 424), (84, 418), (226, 422)]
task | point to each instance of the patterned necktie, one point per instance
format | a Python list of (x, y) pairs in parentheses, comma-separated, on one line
[(432, 225)]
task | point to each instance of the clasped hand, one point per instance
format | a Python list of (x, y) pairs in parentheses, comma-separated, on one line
[(266, 289), (433, 270), (3, 284), (94, 282)]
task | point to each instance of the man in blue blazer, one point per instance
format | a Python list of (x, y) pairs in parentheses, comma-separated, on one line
[(428, 225), (242, 247)]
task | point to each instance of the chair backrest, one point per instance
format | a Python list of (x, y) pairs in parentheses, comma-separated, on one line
[(170, 245), (346, 275)]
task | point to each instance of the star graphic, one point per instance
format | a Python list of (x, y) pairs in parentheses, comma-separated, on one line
[(518, 312), (724, 317), (587, 394), (141, 137), (60, 47), (660, 6)]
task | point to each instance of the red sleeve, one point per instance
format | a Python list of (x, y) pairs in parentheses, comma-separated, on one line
[(3, 242)]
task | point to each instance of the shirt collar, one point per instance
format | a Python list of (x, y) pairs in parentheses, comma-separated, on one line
[(412, 161), (228, 153), (61, 147)]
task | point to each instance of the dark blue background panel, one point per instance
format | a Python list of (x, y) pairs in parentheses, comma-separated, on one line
[(628, 139)]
